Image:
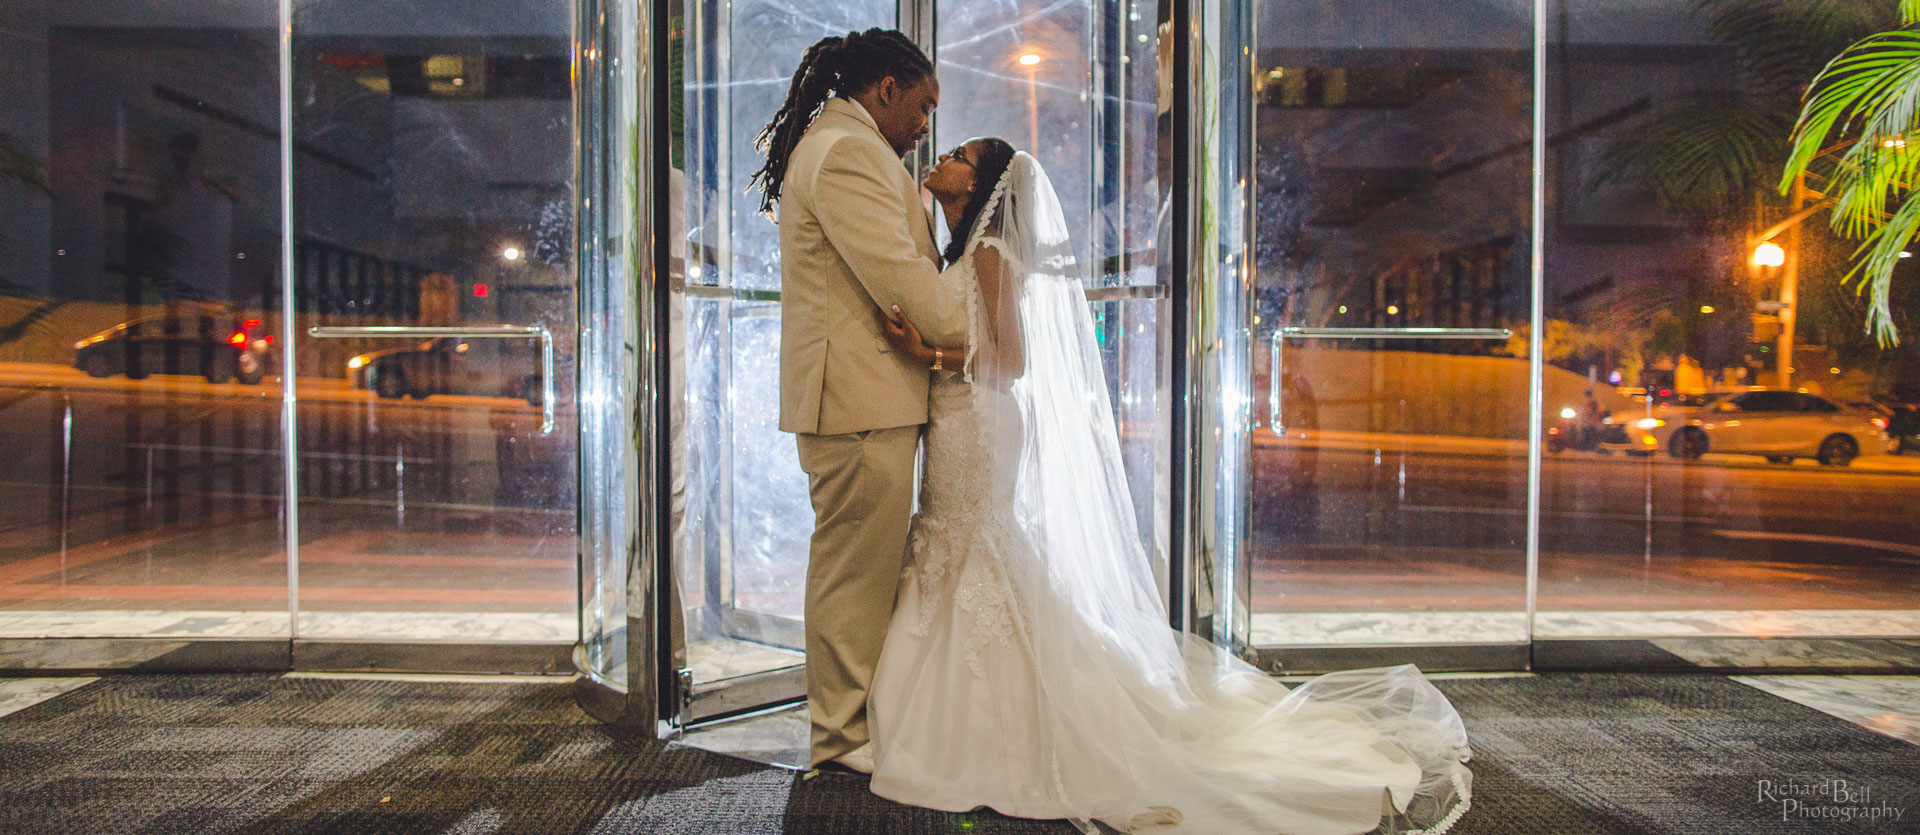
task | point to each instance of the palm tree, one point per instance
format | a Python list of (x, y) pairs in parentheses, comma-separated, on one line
[(1707, 160), (1855, 126), (1714, 161)]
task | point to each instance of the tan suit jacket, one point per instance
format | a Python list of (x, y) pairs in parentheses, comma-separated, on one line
[(855, 240)]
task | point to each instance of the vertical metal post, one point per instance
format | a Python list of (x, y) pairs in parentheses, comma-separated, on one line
[(1790, 287), (1233, 607), (1536, 363), (1183, 528), (400, 485), (289, 403), (622, 347), (918, 19), (66, 472), (652, 416)]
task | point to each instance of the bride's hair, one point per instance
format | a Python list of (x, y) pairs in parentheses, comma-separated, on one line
[(839, 64), (987, 171)]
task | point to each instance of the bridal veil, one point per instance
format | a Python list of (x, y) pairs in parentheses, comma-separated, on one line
[(1140, 726)]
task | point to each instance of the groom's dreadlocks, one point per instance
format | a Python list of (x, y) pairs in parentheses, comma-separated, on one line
[(844, 65)]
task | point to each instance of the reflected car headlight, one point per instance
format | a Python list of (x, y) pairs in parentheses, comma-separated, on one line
[(1649, 423), (356, 363)]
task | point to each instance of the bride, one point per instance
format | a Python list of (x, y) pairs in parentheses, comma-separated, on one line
[(1029, 666)]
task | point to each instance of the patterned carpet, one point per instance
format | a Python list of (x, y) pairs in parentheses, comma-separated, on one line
[(1562, 753)]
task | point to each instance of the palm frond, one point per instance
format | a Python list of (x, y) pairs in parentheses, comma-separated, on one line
[(1782, 43), (1699, 160), (21, 167), (1868, 95), (30, 323)]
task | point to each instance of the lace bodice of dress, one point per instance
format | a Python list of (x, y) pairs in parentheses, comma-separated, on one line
[(964, 478), (966, 497)]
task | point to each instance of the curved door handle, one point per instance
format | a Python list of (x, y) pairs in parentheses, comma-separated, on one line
[(468, 332)]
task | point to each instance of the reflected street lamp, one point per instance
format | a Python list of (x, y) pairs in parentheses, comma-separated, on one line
[(1768, 254), (1031, 60)]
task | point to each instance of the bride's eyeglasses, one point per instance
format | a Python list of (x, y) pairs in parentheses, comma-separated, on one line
[(960, 154)]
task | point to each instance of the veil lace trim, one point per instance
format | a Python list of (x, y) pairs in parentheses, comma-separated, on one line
[(984, 221)]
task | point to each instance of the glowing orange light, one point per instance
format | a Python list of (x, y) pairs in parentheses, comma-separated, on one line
[(238, 338), (1028, 59), (1769, 254)]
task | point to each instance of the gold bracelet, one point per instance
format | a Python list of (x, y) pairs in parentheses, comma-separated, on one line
[(937, 358)]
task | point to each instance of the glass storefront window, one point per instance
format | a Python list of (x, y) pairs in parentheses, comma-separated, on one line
[(147, 350), (140, 336), (434, 298), (1725, 477), (1391, 293)]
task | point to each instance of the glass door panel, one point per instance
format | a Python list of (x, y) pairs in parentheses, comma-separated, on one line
[(1077, 86), (741, 557), (434, 321), (1392, 295), (740, 546)]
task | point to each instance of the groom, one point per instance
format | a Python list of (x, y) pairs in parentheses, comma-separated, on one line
[(855, 240)]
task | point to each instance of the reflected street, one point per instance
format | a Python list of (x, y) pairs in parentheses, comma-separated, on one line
[(172, 485), (1404, 523), (170, 494)]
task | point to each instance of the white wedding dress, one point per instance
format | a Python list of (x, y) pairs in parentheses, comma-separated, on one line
[(1029, 666)]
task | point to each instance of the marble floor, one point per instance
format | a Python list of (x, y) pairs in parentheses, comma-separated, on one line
[(1323, 628), (1269, 628), (21, 693), (714, 659), (777, 737), (477, 627), (1885, 704)]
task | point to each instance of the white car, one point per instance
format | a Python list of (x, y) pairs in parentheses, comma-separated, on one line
[(1778, 425)]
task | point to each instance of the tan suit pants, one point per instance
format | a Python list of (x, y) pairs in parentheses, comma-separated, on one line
[(862, 488)]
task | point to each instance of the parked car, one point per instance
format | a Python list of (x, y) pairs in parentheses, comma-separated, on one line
[(213, 346), (455, 365), (1777, 425)]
